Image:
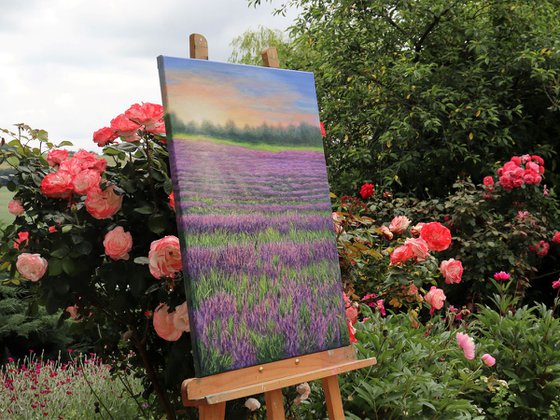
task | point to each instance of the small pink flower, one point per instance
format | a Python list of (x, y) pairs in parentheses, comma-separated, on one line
[(252, 404), (73, 311), (165, 257), (556, 237), (435, 298), (31, 266), (399, 224), (467, 345), (15, 207), (118, 244), (452, 270), (540, 249), (172, 200), (384, 230), (488, 360), (52, 229), (22, 240), (556, 284), (501, 276)]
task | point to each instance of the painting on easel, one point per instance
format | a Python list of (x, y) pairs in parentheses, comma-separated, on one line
[(253, 212)]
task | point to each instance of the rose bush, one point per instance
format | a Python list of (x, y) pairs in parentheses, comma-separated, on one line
[(96, 234)]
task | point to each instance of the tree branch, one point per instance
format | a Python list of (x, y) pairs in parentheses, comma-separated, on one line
[(437, 18)]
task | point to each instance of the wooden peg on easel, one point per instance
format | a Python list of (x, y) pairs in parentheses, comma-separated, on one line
[(270, 57), (198, 46)]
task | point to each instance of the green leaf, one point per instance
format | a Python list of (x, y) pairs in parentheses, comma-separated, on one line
[(69, 266), (141, 260), (64, 143), (66, 228), (55, 267), (157, 223), (146, 209), (13, 161), (61, 252)]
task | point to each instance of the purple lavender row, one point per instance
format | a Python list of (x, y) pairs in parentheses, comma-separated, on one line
[(196, 223), (204, 195), (273, 208), (256, 260)]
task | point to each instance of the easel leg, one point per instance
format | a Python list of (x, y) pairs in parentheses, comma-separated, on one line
[(333, 398), (274, 405), (212, 411)]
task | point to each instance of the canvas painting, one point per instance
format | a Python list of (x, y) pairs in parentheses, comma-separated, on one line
[(254, 215)]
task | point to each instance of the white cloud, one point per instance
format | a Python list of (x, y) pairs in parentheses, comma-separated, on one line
[(69, 66)]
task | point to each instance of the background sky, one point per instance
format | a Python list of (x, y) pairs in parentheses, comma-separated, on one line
[(70, 66), (201, 91)]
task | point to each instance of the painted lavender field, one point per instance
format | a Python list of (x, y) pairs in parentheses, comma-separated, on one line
[(258, 242)]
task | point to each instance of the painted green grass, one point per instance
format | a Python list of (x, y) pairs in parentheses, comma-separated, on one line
[(218, 238), (5, 197), (254, 146)]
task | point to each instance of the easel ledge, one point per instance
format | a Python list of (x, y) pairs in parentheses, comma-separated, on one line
[(273, 376)]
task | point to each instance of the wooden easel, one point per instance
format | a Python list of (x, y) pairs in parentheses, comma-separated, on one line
[(210, 394)]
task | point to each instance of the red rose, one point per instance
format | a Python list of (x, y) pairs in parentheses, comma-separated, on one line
[(436, 235), (125, 128), (22, 240), (401, 254), (57, 185), (172, 200), (488, 181), (541, 249), (366, 191), (104, 136), (323, 131), (556, 237), (147, 114)]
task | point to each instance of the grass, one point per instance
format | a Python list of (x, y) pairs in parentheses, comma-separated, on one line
[(5, 197), (254, 146)]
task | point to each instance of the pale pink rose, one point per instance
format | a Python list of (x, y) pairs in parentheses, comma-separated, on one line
[(165, 257), (15, 207), (399, 224), (158, 129), (56, 156), (303, 391), (415, 230), (85, 181), (467, 345), (31, 266), (384, 230), (181, 317), (148, 114), (103, 204), (419, 248), (452, 270), (73, 311), (252, 404), (488, 360), (118, 244), (124, 127), (435, 298), (164, 325), (57, 185), (104, 136)]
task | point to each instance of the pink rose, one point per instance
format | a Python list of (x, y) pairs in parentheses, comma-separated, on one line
[(384, 230), (399, 224), (172, 200), (72, 166), (252, 404), (181, 318), (467, 345), (556, 237), (118, 244), (415, 230), (85, 181), (73, 311), (352, 314), (435, 298), (165, 257), (31, 266), (125, 128), (88, 160), (488, 360), (158, 129), (436, 235), (15, 207), (401, 254), (488, 181), (419, 248), (22, 240), (57, 185), (501, 276), (56, 156), (556, 284), (452, 270), (147, 114), (103, 204), (170, 326), (104, 136), (540, 249)]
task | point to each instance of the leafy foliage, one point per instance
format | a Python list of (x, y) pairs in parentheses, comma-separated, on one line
[(247, 48)]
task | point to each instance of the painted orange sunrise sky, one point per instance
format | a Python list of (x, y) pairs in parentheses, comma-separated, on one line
[(219, 92)]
